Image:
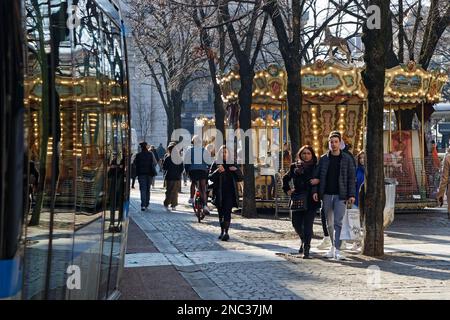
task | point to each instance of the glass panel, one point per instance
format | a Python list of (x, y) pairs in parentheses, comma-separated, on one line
[(63, 219), (111, 153), (37, 102), (118, 108), (89, 148)]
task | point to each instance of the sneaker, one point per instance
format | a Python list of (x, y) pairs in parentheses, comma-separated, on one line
[(142, 208), (191, 200), (225, 237), (325, 244), (166, 207), (338, 255), (330, 253), (220, 237), (174, 208)]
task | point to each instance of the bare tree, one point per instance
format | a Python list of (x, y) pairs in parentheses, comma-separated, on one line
[(377, 43), (420, 25), (166, 40), (210, 39), (293, 45), (246, 33), (142, 117)]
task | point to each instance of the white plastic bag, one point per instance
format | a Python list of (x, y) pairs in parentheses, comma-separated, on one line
[(351, 225)]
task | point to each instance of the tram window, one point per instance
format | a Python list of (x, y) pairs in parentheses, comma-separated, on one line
[(63, 217), (37, 102), (111, 154), (89, 151)]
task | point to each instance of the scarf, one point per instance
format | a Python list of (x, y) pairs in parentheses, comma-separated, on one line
[(303, 165)]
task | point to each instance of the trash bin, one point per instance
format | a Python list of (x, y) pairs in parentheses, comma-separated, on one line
[(390, 185)]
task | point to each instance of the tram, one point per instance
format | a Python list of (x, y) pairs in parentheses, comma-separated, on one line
[(65, 146)]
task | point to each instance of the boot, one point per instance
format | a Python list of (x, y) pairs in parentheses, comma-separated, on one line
[(226, 226), (301, 250), (306, 253), (222, 230)]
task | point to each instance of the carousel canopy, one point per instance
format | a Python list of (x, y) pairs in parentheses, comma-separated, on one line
[(333, 81)]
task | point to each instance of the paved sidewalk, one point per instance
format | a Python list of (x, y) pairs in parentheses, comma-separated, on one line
[(257, 262)]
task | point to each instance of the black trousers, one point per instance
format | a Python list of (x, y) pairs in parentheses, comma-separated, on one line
[(303, 221), (323, 217), (226, 207)]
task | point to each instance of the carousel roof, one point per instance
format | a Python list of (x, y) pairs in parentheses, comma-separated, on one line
[(333, 81)]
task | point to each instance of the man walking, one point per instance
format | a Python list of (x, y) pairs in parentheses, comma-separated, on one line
[(337, 189), (145, 171), (172, 177)]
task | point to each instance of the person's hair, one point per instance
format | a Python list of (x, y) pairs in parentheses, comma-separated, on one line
[(359, 156), (433, 142), (143, 146), (219, 154), (335, 134), (307, 147)]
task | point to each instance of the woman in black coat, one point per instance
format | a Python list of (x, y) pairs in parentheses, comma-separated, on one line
[(225, 175), (302, 173)]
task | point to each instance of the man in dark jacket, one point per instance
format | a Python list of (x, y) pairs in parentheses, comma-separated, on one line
[(336, 173), (172, 177), (145, 171)]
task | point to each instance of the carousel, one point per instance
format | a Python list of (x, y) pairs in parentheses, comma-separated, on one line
[(334, 98), (407, 146), (92, 121)]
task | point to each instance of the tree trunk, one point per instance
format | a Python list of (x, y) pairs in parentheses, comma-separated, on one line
[(292, 60), (219, 110), (401, 47), (170, 123), (294, 99), (376, 43), (245, 123)]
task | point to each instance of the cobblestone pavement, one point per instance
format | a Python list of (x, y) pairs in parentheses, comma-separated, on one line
[(258, 261)]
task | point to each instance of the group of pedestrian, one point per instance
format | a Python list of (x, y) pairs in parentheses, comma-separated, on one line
[(331, 183), (223, 175)]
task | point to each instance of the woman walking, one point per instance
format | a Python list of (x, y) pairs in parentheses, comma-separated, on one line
[(302, 174), (225, 175)]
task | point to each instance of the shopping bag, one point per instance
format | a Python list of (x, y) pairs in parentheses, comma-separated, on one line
[(351, 225)]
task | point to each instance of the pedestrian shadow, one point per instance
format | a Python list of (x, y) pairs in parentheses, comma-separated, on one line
[(401, 263), (421, 238)]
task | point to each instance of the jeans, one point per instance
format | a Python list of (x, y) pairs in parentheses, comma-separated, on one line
[(335, 211), (144, 186)]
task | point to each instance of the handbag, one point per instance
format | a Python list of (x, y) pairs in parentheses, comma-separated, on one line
[(153, 172), (299, 202)]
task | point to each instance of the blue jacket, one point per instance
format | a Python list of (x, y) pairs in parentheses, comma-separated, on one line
[(359, 181)]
